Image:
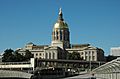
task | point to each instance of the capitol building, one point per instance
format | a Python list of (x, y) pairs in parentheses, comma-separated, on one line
[(60, 45)]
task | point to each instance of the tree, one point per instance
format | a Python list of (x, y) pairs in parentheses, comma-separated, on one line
[(28, 55), (11, 56), (18, 57), (74, 56), (110, 58), (8, 56)]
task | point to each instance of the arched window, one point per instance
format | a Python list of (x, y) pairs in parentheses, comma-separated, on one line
[(56, 35), (66, 35), (60, 35)]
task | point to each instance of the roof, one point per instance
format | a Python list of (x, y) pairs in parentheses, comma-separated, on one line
[(60, 23)]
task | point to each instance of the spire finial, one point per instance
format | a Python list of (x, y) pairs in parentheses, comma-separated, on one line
[(60, 11), (60, 15)]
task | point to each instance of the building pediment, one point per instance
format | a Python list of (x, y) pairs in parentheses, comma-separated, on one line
[(51, 47), (90, 48)]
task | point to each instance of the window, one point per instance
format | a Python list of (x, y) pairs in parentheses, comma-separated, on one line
[(89, 58), (66, 35), (40, 54), (53, 55), (81, 53), (49, 55), (36, 54), (60, 35), (93, 58), (92, 52), (57, 35)]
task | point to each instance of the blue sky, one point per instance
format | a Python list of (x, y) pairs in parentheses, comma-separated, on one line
[(90, 21)]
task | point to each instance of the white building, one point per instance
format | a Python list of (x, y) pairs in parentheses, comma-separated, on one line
[(115, 51), (60, 45)]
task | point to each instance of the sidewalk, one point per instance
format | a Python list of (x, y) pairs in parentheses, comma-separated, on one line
[(81, 76)]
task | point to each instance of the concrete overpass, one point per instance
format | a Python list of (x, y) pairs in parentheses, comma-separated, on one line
[(16, 65), (68, 63)]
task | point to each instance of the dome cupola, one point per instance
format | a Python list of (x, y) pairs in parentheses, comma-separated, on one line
[(60, 22), (60, 34)]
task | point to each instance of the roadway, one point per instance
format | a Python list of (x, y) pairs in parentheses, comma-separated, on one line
[(83, 76)]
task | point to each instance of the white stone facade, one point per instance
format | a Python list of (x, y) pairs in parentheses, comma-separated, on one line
[(88, 53), (115, 51), (44, 51), (60, 45)]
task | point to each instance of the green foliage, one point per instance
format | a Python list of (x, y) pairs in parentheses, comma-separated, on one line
[(18, 57), (74, 56), (28, 55), (8, 56), (13, 56), (110, 58)]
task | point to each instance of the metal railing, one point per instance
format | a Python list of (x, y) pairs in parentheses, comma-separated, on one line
[(110, 70)]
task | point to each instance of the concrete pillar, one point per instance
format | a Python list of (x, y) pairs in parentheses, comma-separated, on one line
[(32, 61), (21, 69), (116, 75)]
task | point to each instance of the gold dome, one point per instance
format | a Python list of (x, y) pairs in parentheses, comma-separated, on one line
[(60, 23)]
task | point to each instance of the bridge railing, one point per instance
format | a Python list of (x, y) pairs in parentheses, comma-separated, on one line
[(110, 70), (7, 65), (13, 63)]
